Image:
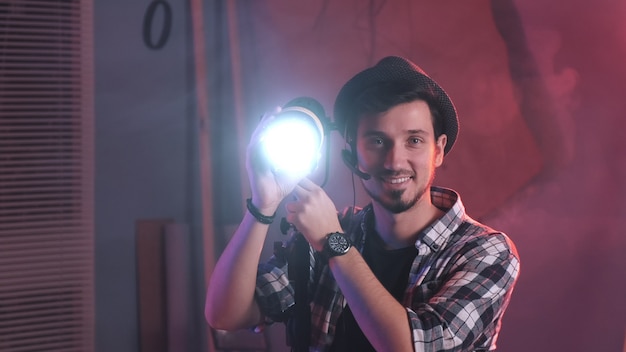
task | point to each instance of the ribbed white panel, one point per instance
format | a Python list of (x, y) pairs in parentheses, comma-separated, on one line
[(46, 176)]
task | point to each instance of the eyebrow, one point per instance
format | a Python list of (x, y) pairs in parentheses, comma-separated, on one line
[(420, 131), (380, 133)]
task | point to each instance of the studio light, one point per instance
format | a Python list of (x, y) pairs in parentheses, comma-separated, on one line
[(292, 142)]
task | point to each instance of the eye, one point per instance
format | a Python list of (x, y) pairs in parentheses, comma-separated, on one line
[(415, 140), (375, 141)]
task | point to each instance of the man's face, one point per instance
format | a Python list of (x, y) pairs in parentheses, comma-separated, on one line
[(398, 149)]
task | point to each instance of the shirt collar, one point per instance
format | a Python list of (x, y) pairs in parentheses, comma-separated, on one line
[(437, 234)]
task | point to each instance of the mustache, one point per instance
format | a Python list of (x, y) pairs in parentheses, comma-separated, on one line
[(395, 173)]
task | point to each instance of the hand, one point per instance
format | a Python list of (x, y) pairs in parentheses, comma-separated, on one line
[(313, 213), (268, 186)]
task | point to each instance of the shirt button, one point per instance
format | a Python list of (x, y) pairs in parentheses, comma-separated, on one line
[(434, 246)]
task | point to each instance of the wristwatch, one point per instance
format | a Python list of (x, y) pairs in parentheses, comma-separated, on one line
[(336, 244)]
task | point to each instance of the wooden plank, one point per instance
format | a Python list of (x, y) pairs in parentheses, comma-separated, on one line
[(151, 285)]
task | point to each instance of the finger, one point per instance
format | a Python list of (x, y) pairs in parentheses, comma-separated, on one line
[(307, 184), (291, 207), (270, 116), (266, 119), (299, 192)]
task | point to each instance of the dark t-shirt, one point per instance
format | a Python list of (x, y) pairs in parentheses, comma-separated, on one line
[(391, 268)]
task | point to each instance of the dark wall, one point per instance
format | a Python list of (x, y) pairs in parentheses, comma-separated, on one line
[(145, 151)]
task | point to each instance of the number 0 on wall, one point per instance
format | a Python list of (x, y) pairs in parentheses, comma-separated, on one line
[(148, 38)]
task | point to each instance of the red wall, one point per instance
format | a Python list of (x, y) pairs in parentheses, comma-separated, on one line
[(540, 157)]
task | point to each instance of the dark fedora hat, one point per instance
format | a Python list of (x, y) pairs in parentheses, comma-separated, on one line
[(396, 71)]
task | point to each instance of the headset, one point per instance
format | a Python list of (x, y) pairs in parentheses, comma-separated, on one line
[(349, 159), (348, 155)]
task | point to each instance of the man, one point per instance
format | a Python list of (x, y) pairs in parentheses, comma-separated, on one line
[(408, 272)]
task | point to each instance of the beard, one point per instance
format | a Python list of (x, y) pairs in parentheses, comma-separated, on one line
[(395, 202)]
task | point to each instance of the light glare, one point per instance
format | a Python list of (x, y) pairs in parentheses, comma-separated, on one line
[(292, 145)]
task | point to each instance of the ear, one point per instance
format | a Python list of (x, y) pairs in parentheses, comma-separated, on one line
[(440, 145)]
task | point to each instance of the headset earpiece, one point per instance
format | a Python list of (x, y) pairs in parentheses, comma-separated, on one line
[(349, 158)]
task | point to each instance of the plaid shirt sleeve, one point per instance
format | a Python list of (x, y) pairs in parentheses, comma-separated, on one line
[(461, 309), (274, 294)]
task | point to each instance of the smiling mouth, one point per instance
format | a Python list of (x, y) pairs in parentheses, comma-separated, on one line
[(396, 180)]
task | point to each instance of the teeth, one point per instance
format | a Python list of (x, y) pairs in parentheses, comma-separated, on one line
[(398, 180)]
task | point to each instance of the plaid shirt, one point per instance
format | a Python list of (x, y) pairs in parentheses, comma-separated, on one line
[(458, 288)]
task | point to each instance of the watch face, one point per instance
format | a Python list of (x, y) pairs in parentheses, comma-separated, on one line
[(338, 243)]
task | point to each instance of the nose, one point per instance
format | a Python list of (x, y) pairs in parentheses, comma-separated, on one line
[(394, 157)]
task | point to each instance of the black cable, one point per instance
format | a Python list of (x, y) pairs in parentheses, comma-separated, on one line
[(299, 326)]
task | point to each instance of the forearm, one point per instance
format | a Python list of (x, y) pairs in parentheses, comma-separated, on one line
[(230, 300), (379, 315)]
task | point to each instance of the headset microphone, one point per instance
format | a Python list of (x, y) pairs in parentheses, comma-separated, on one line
[(349, 159)]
